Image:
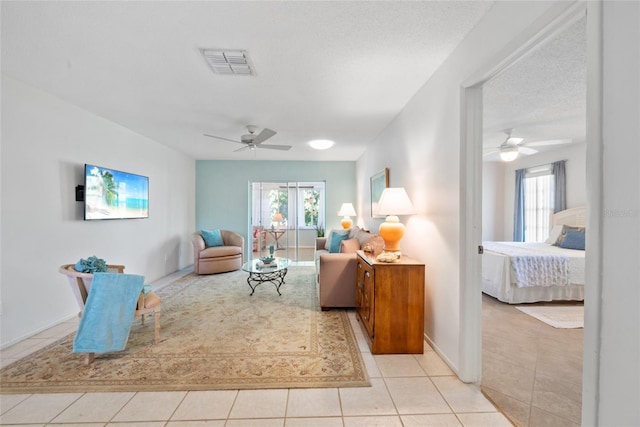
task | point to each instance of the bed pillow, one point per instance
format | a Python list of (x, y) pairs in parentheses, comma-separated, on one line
[(212, 238), (573, 240), (335, 241), (565, 230), (554, 235)]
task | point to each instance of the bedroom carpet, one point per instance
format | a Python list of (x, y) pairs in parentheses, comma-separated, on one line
[(214, 336), (558, 316)]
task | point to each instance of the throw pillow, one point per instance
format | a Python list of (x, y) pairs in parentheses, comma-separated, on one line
[(335, 241), (565, 230), (212, 238), (554, 235), (573, 240), (327, 244), (349, 246)]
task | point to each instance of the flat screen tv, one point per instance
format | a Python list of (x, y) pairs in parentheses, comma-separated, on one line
[(113, 194)]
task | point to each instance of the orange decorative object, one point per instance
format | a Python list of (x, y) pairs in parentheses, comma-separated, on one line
[(391, 231), (346, 211)]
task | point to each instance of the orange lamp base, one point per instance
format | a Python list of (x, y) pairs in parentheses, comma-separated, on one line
[(391, 232), (346, 222)]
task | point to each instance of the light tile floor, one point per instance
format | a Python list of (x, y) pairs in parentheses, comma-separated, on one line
[(406, 390)]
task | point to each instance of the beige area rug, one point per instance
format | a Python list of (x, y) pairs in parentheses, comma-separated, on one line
[(558, 316), (214, 336)]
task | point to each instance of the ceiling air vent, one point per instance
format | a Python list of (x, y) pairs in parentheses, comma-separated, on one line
[(229, 62)]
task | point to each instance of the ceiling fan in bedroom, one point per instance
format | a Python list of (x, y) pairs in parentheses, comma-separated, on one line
[(251, 141), (512, 147)]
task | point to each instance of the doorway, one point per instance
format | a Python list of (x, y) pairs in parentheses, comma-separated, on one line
[(473, 226), (285, 218)]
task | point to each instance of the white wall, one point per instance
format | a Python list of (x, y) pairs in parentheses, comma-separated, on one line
[(422, 149), (576, 171), (493, 201), (45, 143)]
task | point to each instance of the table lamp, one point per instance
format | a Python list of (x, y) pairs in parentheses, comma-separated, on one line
[(277, 218), (347, 211), (393, 202)]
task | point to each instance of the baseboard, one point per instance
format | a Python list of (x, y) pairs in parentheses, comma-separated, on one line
[(444, 358), (37, 331)]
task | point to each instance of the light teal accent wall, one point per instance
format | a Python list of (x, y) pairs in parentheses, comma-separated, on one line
[(222, 188)]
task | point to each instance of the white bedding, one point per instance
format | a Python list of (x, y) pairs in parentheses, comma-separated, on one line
[(539, 272)]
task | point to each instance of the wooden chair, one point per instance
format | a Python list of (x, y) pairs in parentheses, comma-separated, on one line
[(81, 284)]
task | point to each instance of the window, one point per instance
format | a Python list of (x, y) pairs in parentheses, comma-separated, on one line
[(538, 203)]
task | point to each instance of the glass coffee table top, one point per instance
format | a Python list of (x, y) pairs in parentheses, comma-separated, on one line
[(258, 266), (260, 273)]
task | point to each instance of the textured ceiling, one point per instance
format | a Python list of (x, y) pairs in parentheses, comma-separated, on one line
[(339, 70), (542, 96)]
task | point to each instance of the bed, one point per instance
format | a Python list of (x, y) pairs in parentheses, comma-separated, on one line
[(517, 272)]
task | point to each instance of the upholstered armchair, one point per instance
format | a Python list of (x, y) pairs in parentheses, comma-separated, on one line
[(218, 259)]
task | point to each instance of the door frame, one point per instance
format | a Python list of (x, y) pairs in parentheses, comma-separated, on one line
[(550, 24)]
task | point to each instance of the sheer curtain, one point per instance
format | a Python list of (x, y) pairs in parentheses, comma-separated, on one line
[(518, 211), (560, 187)]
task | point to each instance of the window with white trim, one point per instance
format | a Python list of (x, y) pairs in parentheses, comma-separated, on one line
[(539, 187)]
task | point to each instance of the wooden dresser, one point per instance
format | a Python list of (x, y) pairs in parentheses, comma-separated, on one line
[(390, 304)]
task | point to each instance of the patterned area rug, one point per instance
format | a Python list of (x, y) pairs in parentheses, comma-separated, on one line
[(213, 336)]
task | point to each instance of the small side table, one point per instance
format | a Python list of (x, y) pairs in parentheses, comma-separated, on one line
[(276, 235)]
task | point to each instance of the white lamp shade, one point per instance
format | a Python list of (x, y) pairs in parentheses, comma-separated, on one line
[(395, 201), (508, 154), (347, 210)]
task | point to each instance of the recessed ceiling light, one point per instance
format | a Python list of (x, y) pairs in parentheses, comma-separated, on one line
[(321, 144)]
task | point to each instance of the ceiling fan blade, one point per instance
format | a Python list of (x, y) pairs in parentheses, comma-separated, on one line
[(246, 147), (527, 150), (490, 151), (514, 140), (547, 142), (263, 136), (274, 147), (225, 139)]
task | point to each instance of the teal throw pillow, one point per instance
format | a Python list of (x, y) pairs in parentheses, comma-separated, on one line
[(335, 241), (573, 240), (212, 238)]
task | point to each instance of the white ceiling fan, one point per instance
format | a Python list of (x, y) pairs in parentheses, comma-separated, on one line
[(251, 141), (512, 147)]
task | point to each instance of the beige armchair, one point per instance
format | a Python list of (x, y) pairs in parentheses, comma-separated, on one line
[(218, 259)]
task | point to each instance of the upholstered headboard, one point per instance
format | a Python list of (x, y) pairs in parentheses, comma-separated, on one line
[(574, 216)]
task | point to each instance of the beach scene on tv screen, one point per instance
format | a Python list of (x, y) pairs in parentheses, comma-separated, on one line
[(112, 194)]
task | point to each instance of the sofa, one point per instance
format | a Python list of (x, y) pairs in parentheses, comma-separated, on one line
[(335, 262), (217, 258)]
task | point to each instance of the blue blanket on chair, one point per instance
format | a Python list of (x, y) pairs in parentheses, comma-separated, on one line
[(108, 313)]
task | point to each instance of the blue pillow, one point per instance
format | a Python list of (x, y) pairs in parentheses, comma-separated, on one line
[(212, 238), (335, 240), (573, 240)]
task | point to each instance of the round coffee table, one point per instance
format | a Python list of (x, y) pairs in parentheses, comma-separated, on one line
[(260, 273)]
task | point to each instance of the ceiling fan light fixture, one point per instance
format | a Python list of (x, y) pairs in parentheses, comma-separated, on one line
[(508, 153), (321, 144)]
